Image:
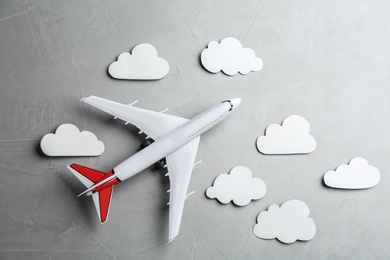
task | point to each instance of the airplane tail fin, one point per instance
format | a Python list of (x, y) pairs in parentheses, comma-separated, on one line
[(100, 185)]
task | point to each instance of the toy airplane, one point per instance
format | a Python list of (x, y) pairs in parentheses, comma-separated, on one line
[(176, 139)]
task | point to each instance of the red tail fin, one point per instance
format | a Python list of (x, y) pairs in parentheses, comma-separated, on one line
[(102, 194)]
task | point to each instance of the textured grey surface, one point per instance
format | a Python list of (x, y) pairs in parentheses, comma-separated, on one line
[(327, 61)]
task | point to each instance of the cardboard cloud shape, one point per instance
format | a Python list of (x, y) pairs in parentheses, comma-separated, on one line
[(288, 223), (142, 64), (230, 57), (357, 175), (292, 137), (69, 141), (238, 186)]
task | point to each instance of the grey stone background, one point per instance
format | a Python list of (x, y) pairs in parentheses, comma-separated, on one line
[(328, 61)]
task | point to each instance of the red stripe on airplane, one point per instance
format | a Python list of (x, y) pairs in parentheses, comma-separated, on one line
[(107, 184)]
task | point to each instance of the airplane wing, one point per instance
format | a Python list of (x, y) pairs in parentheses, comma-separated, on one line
[(154, 124), (180, 164)]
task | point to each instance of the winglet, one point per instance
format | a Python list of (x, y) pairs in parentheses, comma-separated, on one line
[(84, 99)]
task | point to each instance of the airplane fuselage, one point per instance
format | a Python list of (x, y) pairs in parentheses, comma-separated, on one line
[(173, 140)]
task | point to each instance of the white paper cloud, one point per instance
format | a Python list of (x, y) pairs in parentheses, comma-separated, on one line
[(230, 57), (292, 137), (142, 64), (288, 223), (238, 186), (69, 141), (357, 175)]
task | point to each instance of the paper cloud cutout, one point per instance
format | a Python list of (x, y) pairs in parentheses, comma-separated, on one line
[(238, 186), (69, 141), (142, 64), (292, 137), (357, 175), (230, 57), (288, 223)]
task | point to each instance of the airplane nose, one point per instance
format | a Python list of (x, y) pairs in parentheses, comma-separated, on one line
[(236, 102)]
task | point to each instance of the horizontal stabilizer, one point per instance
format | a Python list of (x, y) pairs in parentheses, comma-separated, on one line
[(86, 175), (102, 201)]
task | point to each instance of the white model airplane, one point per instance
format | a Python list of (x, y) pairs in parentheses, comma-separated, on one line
[(176, 139)]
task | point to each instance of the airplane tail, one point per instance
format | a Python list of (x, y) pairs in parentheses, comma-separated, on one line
[(100, 185)]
